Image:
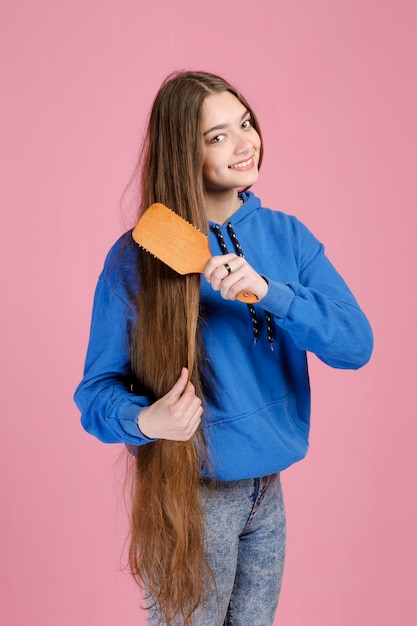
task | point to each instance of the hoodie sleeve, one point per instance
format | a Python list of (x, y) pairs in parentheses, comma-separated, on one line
[(319, 311), (109, 409)]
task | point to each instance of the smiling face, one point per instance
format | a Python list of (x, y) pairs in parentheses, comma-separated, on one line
[(231, 145)]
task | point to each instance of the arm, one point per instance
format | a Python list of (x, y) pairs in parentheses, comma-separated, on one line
[(322, 319), (110, 410), (318, 310)]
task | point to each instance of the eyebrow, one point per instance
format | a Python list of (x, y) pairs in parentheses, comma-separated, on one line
[(223, 126)]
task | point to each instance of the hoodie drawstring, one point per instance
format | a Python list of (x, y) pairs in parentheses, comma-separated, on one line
[(251, 308)]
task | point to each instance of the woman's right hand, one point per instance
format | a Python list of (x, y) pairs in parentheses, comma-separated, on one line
[(175, 416)]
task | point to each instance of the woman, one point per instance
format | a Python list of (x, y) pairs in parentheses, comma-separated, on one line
[(212, 394)]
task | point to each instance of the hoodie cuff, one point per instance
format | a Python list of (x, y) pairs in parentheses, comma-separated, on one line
[(278, 298), (130, 422)]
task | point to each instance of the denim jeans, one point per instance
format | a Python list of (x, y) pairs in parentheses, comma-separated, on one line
[(245, 546)]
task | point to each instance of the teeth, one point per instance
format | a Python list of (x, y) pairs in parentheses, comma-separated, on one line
[(242, 164)]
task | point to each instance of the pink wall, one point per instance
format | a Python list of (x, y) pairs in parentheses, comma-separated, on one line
[(334, 84)]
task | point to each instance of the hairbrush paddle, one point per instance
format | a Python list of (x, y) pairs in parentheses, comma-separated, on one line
[(177, 243)]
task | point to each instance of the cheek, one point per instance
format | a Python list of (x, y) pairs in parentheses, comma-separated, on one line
[(206, 161), (258, 148), (206, 167), (210, 166), (216, 162)]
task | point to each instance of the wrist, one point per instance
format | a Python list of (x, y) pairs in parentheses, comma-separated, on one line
[(265, 287), (143, 427)]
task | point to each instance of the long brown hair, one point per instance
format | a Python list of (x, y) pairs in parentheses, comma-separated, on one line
[(166, 553)]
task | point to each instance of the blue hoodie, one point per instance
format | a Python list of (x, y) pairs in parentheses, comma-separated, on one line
[(260, 422)]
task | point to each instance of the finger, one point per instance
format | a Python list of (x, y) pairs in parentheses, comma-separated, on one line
[(194, 422), (178, 389), (216, 263), (187, 404), (188, 421), (237, 266), (231, 282), (246, 279), (195, 408), (228, 273)]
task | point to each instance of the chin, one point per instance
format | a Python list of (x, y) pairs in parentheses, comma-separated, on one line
[(248, 182)]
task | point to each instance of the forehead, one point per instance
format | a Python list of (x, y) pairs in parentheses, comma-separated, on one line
[(221, 109)]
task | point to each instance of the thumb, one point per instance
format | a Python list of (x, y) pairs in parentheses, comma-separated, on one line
[(177, 390)]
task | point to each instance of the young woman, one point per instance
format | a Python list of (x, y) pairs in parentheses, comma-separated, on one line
[(212, 395)]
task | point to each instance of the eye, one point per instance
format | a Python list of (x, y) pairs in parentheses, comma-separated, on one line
[(217, 139), (247, 123)]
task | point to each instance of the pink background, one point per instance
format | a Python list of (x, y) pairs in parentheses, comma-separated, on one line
[(334, 85)]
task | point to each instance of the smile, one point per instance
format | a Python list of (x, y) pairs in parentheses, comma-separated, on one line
[(242, 164)]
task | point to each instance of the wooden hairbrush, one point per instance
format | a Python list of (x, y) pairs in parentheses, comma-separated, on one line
[(177, 243)]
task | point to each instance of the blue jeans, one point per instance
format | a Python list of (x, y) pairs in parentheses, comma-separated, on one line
[(245, 546)]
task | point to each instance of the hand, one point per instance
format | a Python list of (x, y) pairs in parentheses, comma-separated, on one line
[(175, 416), (241, 277)]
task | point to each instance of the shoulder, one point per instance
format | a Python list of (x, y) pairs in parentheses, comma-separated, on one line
[(278, 228), (278, 220), (257, 210)]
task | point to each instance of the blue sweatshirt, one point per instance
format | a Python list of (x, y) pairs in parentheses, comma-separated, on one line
[(260, 422)]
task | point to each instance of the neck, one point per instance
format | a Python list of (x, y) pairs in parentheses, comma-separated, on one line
[(219, 209)]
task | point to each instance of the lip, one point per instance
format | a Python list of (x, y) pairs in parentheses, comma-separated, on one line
[(244, 165)]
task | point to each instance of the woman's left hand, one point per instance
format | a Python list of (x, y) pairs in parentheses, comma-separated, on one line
[(231, 274)]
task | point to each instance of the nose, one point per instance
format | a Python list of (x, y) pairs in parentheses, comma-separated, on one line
[(242, 144)]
